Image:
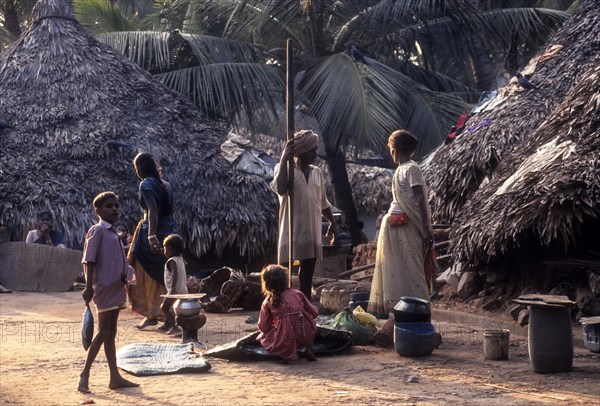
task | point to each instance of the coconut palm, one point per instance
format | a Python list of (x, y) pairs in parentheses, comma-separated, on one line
[(416, 54), (413, 52)]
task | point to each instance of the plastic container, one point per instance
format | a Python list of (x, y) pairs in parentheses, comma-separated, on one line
[(591, 333), (550, 339), (495, 344), (414, 339)]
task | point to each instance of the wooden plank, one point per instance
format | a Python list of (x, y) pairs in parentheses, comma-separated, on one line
[(551, 299)]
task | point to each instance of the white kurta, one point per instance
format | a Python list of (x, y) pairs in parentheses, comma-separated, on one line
[(309, 202), (399, 262)]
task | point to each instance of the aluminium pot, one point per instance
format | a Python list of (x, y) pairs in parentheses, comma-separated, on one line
[(412, 309), (187, 307)]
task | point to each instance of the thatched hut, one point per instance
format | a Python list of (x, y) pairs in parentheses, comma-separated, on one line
[(78, 112), (371, 187), (457, 170), (539, 151), (547, 192)]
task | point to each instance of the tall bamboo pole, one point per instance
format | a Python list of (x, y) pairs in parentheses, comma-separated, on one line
[(289, 120)]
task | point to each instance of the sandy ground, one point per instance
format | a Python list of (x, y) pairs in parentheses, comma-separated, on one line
[(41, 357)]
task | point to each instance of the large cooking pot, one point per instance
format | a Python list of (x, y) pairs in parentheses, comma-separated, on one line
[(412, 309)]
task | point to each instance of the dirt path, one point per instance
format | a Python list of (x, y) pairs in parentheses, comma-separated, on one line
[(41, 357)]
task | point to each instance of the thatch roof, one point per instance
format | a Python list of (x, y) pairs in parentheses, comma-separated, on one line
[(371, 187), (79, 111), (457, 170), (544, 192), (549, 188)]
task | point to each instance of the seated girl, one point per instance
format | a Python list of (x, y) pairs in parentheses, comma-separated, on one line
[(287, 318)]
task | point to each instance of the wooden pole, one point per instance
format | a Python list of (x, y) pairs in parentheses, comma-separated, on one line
[(289, 119)]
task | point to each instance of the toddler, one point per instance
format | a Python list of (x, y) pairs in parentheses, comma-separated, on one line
[(175, 278)]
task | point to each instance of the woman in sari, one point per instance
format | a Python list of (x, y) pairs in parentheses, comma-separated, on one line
[(405, 241), (146, 253)]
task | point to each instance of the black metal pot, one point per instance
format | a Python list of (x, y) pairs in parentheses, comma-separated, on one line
[(412, 309)]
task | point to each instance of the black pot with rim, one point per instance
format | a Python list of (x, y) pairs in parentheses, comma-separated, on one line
[(412, 309)]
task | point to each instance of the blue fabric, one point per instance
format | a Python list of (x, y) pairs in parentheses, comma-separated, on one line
[(154, 264)]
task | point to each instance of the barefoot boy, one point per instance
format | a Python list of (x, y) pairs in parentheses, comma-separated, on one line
[(175, 278), (105, 268)]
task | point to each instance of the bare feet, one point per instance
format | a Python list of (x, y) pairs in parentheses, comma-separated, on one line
[(174, 331), (4, 290), (164, 327), (147, 322), (83, 384), (121, 382), (310, 355)]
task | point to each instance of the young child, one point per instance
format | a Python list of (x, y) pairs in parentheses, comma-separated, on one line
[(105, 269), (287, 318), (124, 236), (175, 278)]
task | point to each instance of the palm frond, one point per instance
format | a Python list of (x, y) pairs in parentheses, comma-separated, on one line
[(435, 81), (170, 16), (379, 17), (362, 104), (5, 38), (447, 47), (148, 49), (272, 21), (233, 91), (209, 49), (100, 16), (555, 4), (445, 33)]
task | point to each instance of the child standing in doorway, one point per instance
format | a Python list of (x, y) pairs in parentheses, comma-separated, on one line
[(287, 319), (175, 278), (105, 269)]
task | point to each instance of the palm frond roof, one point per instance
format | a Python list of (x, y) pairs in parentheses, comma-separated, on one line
[(79, 111), (457, 170), (527, 175)]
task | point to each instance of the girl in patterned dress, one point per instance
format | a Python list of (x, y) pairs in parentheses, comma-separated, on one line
[(287, 319)]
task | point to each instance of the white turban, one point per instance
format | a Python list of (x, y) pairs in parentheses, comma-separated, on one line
[(304, 141)]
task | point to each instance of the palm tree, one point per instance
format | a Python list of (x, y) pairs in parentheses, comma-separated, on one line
[(421, 61), (417, 54)]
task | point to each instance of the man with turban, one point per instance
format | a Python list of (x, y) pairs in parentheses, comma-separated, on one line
[(310, 203)]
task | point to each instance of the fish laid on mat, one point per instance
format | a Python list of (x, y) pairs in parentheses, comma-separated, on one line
[(144, 359)]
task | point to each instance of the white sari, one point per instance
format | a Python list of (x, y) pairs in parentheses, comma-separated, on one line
[(399, 262)]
